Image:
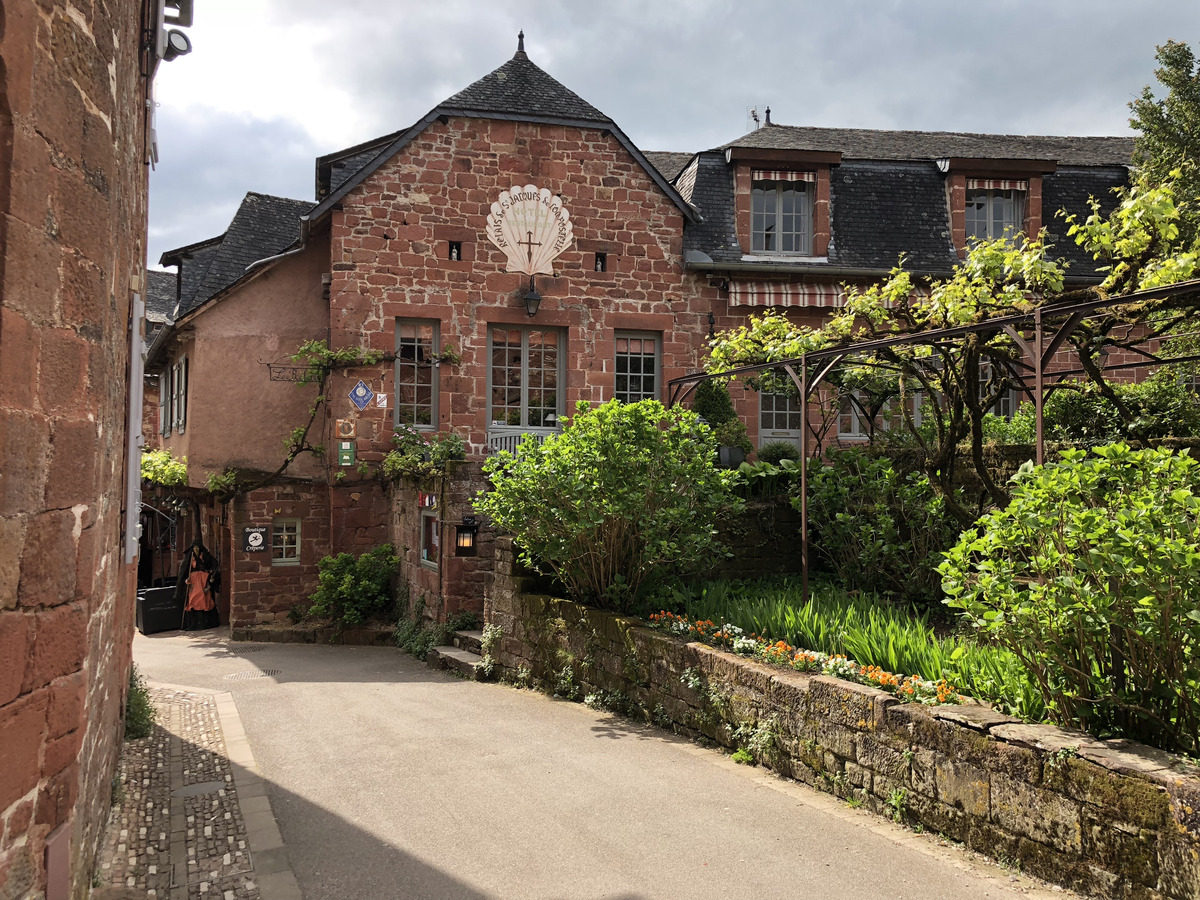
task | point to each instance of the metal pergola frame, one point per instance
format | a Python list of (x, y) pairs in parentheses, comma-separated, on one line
[(1038, 334)]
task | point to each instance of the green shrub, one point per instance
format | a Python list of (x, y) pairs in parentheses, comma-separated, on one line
[(160, 467), (139, 711), (765, 480), (417, 635), (625, 491), (876, 528), (353, 590), (1092, 578), (773, 451), (1162, 406), (712, 403)]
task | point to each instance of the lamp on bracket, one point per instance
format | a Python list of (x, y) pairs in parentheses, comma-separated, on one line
[(532, 299)]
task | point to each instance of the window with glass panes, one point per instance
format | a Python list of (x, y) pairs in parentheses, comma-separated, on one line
[(524, 376), (285, 542), (992, 213), (416, 374), (781, 212), (1007, 403), (636, 367), (779, 412)]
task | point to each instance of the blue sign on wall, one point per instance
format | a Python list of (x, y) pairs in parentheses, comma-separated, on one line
[(360, 395)]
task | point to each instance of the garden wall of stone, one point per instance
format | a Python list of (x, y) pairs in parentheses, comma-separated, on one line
[(1110, 818)]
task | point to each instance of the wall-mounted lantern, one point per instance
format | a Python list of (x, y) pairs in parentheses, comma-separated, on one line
[(465, 537), (532, 299)]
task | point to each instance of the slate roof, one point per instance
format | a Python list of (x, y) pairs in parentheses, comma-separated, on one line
[(669, 163), (713, 195), (518, 91), (333, 169), (160, 295), (881, 210), (888, 198), (519, 86), (1069, 188), (263, 226), (862, 143)]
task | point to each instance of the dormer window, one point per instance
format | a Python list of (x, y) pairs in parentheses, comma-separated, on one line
[(781, 212), (994, 208)]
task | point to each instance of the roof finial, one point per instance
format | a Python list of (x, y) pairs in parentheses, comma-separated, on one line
[(768, 122), (520, 54)]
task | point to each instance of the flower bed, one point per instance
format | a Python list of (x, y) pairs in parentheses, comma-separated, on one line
[(910, 688)]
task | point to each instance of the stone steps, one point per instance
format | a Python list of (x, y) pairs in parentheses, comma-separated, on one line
[(456, 660), (471, 641)]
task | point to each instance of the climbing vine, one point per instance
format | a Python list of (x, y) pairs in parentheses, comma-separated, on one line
[(319, 363)]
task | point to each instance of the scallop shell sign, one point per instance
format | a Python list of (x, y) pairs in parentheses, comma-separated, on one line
[(532, 227)]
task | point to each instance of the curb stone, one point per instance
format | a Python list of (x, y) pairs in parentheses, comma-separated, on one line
[(200, 734)]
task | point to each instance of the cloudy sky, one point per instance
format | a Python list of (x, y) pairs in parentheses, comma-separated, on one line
[(271, 84)]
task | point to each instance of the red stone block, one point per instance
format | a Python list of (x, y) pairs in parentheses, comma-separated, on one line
[(67, 698), (65, 359), (56, 799), (73, 464), (18, 359), (14, 637), (59, 645), (22, 730), (48, 561), (61, 752)]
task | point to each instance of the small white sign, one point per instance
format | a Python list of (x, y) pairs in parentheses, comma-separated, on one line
[(381, 401)]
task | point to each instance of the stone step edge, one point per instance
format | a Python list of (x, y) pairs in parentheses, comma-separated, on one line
[(471, 641), (453, 658)]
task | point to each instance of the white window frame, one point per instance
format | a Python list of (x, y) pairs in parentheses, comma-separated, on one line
[(991, 198), (560, 378), (415, 325), (1008, 403), (857, 430), (179, 380), (772, 433), (760, 236), (276, 547), (164, 403), (656, 375), (430, 555)]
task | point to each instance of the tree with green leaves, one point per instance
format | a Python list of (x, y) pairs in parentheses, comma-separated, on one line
[(1168, 143), (936, 392), (625, 493)]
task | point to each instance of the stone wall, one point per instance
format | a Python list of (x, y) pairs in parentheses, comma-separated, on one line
[(72, 248), (455, 583), (1110, 818), (72, 251), (259, 591), (763, 540)]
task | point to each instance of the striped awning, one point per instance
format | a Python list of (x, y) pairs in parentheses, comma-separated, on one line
[(996, 184), (776, 293), (774, 175)]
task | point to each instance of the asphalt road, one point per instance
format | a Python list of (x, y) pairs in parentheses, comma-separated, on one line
[(390, 780)]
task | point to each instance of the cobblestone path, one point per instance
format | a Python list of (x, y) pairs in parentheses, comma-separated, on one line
[(178, 829)]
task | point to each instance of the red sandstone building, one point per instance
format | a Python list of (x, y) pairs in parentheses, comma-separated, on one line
[(412, 249), (76, 138)]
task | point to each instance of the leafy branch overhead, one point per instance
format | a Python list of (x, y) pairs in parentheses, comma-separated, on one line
[(160, 467)]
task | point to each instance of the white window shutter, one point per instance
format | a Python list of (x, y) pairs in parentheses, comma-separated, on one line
[(164, 403), (183, 385)]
